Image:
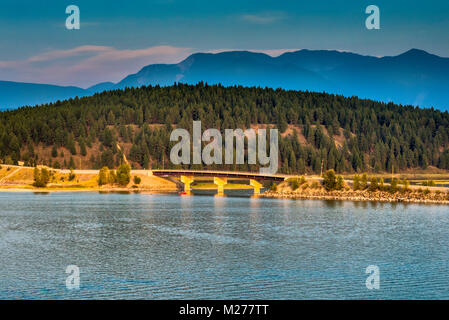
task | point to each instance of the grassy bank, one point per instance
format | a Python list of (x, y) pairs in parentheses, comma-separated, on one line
[(13, 178)]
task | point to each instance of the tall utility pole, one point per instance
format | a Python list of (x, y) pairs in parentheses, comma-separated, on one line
[(322, 161)]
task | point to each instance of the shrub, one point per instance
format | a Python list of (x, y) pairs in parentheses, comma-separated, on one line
[(374, 185), (112, 177), (330, 180), (315, 185), (9, 161), (356, 183), (294, 183), (364, 181), (340, 183), (302, 180), (41, 177), (394, 185), (406, 185), (71, 175), (429, 183), (273, 186), (381, 184), (123, 174), (137, 180), (103, 176), (426, 191)]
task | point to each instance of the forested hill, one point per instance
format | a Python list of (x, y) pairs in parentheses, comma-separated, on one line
[(346, 134)]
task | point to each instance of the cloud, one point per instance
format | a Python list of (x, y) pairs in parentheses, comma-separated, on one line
[(59, 54), (264, 17), (87, 65)]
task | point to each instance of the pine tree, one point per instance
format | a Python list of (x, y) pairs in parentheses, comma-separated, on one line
[(72, 163), (356, 183), (123, 174), (364, 181), (54, 151), (373, 186), (103, 176), (330, 180), (340, 183), (82, 145)]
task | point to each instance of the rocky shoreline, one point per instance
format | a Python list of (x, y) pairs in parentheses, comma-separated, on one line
[(380, 196)]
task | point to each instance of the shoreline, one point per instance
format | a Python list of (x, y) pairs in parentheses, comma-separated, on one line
[(105, 190), (360, 196), (363, 196)]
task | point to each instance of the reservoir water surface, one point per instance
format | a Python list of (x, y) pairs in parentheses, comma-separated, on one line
[(164, 246)]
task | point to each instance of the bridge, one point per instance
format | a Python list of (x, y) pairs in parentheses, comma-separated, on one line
[(220, 178)]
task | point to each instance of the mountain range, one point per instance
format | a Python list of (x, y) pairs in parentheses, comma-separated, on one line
[(415, 77)]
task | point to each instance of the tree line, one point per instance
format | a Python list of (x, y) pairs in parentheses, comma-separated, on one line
[(318, 131)]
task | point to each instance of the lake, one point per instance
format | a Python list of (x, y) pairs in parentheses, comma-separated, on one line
[(166, 246)]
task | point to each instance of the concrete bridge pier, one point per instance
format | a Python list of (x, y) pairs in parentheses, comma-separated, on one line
[(220, 182), (187, 180), (256, 185)]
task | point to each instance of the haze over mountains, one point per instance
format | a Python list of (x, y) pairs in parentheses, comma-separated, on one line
[(412, 78)]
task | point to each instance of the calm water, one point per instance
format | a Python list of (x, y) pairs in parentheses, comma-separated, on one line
[(192, 247)]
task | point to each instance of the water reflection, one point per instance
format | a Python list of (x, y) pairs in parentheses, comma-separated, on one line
[(330, 203)]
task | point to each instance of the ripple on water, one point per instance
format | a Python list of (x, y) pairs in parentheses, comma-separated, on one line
[(137, 246)]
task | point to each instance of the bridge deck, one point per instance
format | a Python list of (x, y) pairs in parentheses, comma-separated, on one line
[(220, 174)]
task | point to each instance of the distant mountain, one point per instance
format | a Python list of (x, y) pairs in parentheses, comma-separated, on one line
[(228, 68), (413, 78), (100, 87), (17, 94)]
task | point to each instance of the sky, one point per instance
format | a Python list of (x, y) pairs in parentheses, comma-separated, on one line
[(117, 38)]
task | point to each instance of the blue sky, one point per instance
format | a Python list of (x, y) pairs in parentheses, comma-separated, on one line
[(119, 37)]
